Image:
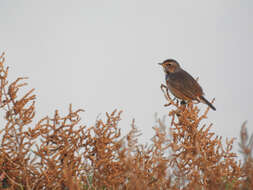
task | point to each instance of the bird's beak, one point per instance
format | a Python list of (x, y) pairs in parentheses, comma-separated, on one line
[(160, 63)]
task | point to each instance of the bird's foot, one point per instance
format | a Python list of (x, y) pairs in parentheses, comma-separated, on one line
[(183, 102)]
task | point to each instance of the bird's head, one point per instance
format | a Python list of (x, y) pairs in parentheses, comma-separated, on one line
[(170, 66)]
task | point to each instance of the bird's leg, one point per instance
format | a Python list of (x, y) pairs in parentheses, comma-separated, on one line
[(183, 102)]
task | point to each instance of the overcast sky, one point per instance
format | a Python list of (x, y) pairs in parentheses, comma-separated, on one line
[(102, 55)]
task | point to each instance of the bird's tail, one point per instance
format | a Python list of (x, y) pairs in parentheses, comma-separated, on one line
[(208, 103)]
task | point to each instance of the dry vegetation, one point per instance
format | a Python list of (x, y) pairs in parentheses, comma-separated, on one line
[(59, 153)]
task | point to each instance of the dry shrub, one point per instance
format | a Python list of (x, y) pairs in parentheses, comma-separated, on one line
[(16, 159), (60, 153), (199, 159), (246, 147)]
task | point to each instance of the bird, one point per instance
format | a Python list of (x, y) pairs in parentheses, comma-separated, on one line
[(181, 84)]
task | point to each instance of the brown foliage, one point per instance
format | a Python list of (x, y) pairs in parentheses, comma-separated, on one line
[(59, 153)]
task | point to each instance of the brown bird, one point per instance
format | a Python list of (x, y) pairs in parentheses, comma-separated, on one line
[(181, 84)]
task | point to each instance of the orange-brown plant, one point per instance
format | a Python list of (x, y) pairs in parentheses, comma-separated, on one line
[(246, 147), (199, 159), (59, 152)]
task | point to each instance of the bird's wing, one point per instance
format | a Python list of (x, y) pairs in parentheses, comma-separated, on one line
[(185, 83)]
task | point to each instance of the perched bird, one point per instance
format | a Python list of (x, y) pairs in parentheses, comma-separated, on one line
[(181, 84)]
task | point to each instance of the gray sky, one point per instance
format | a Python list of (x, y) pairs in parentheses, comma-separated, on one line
[(101, 55)]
